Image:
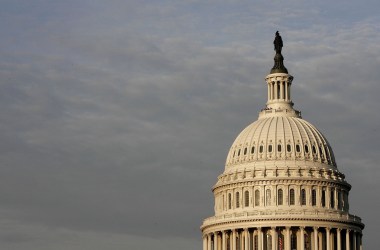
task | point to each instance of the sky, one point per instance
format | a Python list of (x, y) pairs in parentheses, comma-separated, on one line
[(116, 116)]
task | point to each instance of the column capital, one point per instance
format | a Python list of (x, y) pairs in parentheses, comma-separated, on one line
[(246, 229), (328, 228), (216, 233), (315, 228), (338, 229), (348, 230)]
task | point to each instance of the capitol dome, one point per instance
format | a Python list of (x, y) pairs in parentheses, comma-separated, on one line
[(281, 188), (271, 140)]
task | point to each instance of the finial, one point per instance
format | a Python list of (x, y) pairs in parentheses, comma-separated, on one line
[(278, 58)]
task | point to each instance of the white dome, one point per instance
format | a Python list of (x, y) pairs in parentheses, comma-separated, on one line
[(280, 138)]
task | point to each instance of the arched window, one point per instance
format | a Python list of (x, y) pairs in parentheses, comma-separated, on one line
[(246, 198), (261, 149), (306, 149), (268, 197), (237, 199), (298, 148), (253, 150), (245, 151), (239, 152), (280, 197), (303, 197), (270, 147), (291, 197), (323, 198), (314, 150), (257, 197), (339, 200), (332, 198), (313, 197), (229, 201), (289, 148), (279, 147)]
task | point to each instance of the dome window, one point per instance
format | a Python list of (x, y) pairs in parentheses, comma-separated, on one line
[(323, 198), (291, 197), (229, 201), (313, 197), (303, 197), (253, 150), (306, 149), (314, 150), (298, 148), (339, 200), (246, 198), (279, 147), (289, 148), (280, 197), (237, 199), (268, 196), (270, 148), (245, 151), (239, 152), (257, 197), (332, 198), (261, 149)]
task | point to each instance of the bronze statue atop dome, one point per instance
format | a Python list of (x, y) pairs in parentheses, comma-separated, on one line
[(278, 43), (278, 58)]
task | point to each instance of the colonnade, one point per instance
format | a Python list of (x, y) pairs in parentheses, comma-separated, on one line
[(279, 91), (284, 238)]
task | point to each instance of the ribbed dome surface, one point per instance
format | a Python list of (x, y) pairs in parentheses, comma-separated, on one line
[(280, 138)]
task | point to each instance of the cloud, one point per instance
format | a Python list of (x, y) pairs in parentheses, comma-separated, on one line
[(116, 122)]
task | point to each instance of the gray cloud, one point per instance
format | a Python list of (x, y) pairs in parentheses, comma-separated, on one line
[(116, 118)]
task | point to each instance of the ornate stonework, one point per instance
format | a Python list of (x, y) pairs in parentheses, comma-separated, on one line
[(281, 188)]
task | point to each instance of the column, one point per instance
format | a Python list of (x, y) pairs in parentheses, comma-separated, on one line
[(360, 242), (246, 239), (302, 237), (286, 90), (287, 238), (216, 241), (233, 239), (224, 240), (204, 242), (260, 238), (282, 90), (209, 242), (315, 238), (347, 239), (274, 234), (328, 245), (338, 239), (354, 241), (276, 90), (272, 90), (269, 90)]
